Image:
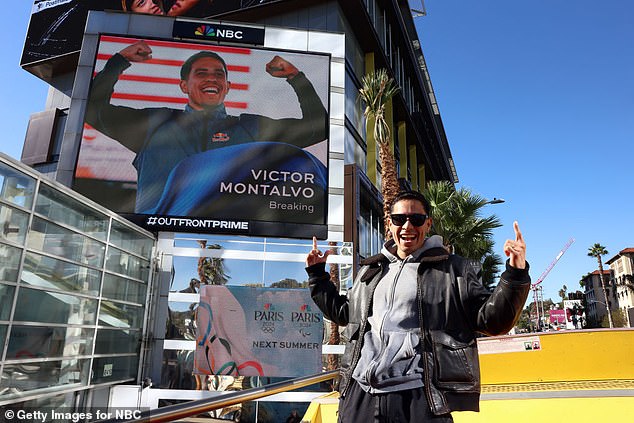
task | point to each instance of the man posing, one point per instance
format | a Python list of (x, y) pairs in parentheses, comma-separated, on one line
[(163, 137), (411, 319)]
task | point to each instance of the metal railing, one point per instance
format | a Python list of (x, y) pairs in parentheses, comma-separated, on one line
[(192, 408)]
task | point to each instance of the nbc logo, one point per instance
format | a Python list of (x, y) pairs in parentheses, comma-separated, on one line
[(206, 30), (210, 31)]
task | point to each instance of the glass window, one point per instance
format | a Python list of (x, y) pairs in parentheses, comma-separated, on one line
[(226, 242), (3, 333), (127, 264), (176, 372), (48, 272), (26, 377), (354, 106), (110, 369), (353, 152), (16, 187), (370, 228), (62, 208), (54, 239), (45, 341), (13, 224), (6, 301), (217, 270), (120, 315), (286, 274), (290, 246), (128, 239), (66, 400), (118, 288), (34, 305), (117, 341), (10, 259), (181, 318)]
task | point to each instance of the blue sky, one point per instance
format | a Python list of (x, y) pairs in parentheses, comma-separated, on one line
[(537, 99)]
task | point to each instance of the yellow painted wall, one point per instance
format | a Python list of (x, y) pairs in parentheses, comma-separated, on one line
[(413, 167), (576, 410), (565, 356)]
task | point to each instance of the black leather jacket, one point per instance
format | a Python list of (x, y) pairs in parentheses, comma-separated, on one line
[(453, 306)]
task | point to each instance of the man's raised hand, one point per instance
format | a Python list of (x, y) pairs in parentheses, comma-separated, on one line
[(516, 249), (315, 256), (281, 68), (137, 52)]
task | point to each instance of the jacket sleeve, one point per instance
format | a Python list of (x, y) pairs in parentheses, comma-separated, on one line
[(499, 311), (308, 130), (126, 125), (325, 295)]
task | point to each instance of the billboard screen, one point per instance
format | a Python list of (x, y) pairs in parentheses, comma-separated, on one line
[(208, 138), (57, 26)]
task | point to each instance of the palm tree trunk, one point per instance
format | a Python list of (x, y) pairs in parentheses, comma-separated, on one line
[(389, 182), (605, 295)]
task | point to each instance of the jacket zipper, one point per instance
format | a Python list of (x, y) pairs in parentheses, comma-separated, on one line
[(391, 306), (421, 319), (357, 348)]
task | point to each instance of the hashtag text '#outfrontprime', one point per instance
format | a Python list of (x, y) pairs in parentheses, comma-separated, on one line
[(197, 223)]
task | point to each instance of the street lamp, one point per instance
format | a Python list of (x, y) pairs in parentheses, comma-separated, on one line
[(495, 201)]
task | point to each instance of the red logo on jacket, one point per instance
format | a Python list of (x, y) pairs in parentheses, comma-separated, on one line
[(220, 137)]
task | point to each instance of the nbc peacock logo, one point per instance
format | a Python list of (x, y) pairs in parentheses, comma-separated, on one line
[(205, 30)]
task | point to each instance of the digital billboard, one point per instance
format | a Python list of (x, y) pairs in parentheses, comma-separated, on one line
[(208, 138), (57, 26)]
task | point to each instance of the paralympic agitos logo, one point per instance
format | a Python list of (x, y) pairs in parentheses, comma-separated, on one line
[(212, 32)]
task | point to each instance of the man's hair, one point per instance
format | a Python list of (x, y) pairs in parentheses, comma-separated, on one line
[(187, 66), (127, 4), (412, 195)]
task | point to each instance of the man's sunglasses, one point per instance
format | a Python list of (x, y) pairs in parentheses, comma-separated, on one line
[(415, 219)]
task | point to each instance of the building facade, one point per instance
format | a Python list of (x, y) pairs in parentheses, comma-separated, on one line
[(622, 266), (596, 303), (74, 289)]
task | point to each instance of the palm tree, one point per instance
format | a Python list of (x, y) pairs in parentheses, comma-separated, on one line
[(211, 271), (490, 269), (562, 294), (457, 219), (377, 88), (598, 250)]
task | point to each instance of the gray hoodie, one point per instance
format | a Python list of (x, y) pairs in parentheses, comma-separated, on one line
[(390, 357)]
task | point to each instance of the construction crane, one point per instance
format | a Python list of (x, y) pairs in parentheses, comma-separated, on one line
[(536, 287)]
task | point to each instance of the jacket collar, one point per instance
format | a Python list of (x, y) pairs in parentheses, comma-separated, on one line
[(432, 247), (431, 251), (219, 112)]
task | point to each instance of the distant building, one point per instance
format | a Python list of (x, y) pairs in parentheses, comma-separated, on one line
[(595, 300), (622, 266)]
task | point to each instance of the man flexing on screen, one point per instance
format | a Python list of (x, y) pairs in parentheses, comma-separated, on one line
[(162, 137)]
